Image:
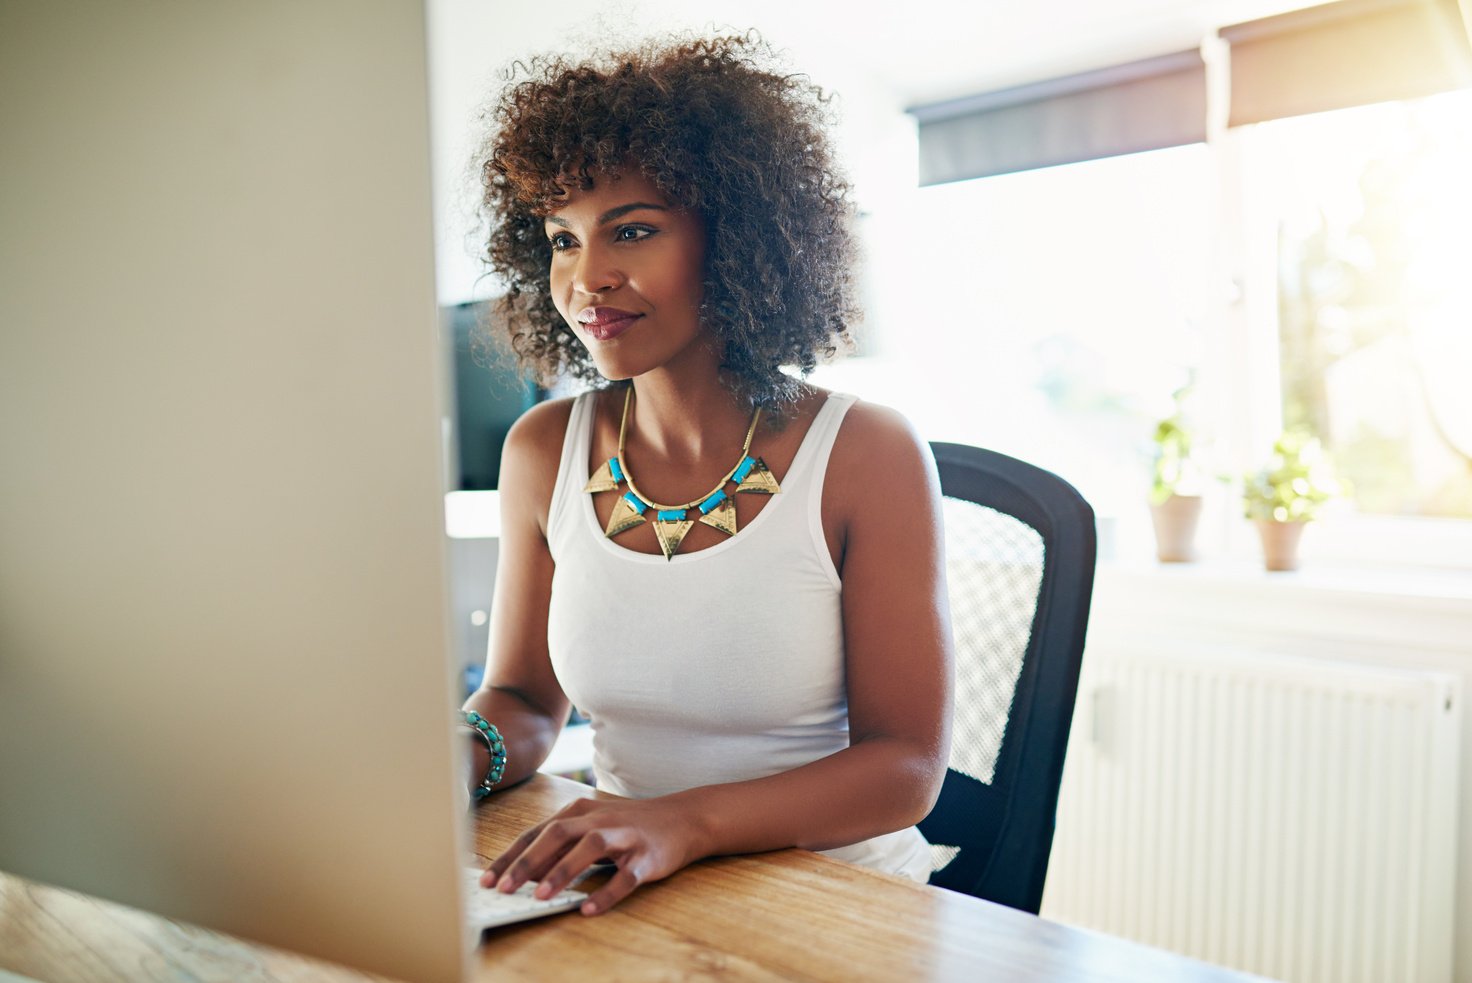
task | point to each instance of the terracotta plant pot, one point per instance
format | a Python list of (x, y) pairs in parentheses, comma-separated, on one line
[(1175, 528), (1280, 543)]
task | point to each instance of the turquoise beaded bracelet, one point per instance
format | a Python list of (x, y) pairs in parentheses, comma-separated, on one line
[(487, 732)]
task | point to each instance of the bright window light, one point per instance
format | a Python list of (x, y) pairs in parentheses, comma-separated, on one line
[(1373, 211)]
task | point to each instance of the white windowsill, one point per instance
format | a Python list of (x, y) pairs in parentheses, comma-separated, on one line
[(1326, 609), (1315, 575)]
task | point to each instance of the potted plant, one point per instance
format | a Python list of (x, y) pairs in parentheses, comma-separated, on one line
[(1175, 491), (1287, 492)]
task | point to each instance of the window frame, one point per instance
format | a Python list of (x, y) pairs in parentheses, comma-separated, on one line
[(1248, 417)]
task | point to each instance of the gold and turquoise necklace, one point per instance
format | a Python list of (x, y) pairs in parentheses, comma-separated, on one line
[(717, 509)]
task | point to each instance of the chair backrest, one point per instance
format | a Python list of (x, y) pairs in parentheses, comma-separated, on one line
[(1020, 550)]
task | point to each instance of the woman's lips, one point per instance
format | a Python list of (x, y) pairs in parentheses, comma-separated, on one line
[(606, 323)]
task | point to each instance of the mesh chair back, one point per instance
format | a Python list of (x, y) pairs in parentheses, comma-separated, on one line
[(1020, 550)]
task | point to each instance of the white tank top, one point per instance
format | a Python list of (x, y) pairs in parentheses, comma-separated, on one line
[(721, 665)]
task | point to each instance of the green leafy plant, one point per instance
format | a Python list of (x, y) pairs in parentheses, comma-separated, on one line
[(1294, 482), (1175, 470)]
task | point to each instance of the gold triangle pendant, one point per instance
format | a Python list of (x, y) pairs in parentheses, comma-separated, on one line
[(759, 480), (671, 532), (722, 517), (624, 516), (602, 480)]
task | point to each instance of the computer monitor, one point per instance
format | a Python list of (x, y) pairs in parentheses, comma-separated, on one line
[(490, 395), (225, 682)]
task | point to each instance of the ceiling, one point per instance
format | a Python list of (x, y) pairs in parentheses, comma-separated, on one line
[(917, 51)]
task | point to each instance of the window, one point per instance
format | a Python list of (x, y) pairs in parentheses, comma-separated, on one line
[(1370, 212), (1315, 270)]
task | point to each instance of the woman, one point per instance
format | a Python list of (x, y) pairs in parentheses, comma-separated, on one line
[(765, 659)]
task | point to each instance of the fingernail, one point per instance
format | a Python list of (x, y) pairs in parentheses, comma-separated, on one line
[(589, 908), (488, 879), (543, 891)]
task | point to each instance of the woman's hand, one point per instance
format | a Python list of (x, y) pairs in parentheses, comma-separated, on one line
[(646, 839)]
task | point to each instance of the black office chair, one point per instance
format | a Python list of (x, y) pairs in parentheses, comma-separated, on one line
[(1020, 551)]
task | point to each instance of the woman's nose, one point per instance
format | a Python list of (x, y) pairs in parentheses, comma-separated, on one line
[(596, 271)]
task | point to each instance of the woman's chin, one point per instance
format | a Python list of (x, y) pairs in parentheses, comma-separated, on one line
[(614, 371)]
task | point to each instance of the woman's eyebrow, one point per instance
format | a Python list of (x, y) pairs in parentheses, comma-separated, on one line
[(611, 214)]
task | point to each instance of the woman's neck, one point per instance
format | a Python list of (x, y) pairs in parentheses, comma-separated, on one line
[(684, 419)]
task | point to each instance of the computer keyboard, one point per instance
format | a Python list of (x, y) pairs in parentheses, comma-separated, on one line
[(489, 908)]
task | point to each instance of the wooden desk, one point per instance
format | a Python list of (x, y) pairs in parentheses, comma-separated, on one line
[(790, 915)]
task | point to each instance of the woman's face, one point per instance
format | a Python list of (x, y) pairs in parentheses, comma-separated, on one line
[(626, 274)]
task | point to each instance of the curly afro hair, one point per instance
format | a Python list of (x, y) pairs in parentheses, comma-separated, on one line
[(720, 133)]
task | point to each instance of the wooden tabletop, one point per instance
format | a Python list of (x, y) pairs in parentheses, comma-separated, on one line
[(789, 915)]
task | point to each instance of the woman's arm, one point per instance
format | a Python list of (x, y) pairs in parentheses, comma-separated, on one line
[(520, 694), (881, 507)]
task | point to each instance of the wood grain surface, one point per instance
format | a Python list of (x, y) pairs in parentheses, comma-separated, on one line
[(789, 915)]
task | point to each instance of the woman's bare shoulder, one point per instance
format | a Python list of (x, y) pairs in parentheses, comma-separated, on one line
[(539, 425), (880, 455), (871, 429), (533, 452)]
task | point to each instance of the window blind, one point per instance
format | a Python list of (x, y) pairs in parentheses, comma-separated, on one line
[(1348, 53), (1335, 55), (1145, 105)]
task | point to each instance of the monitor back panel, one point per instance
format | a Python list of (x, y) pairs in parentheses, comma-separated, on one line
[(224, 683)]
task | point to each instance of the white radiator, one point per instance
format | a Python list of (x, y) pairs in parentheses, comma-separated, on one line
[(1286, 817)]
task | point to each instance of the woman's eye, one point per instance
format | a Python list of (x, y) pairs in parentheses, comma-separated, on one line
[(632, 233), (561, 241)]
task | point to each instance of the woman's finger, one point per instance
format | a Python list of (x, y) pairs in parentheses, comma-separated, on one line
[(498, 866), (588, 850), (619, 886), (519, 845), (556, 838)]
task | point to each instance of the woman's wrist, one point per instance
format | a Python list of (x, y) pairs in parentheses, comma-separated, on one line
[(479, 760), (490, 738), (702, 839)]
